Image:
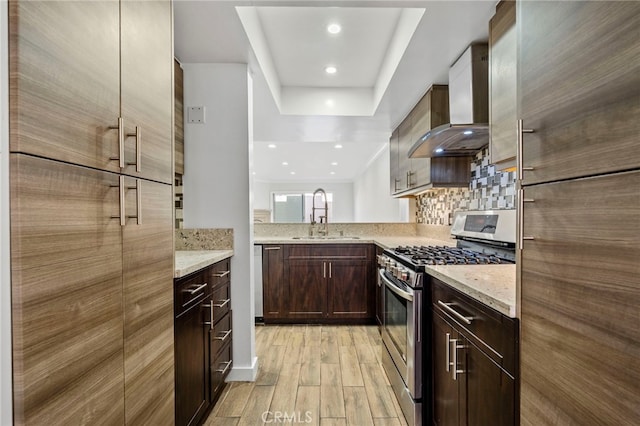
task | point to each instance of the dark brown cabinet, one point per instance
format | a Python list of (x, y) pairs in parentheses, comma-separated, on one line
[(379, 292), (474, 362), (272, 281), (203, 338), (319, 282), (410, 175)]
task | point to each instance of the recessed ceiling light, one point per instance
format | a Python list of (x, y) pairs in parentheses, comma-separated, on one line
[(334, 28), (329, 102), (284, 163), (330, 69), (338, 146), (271, 145), (332, 173), (253, 173), (334, 163), (293, 173)]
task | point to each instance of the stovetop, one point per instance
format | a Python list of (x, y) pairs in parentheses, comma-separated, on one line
[(417, 257)]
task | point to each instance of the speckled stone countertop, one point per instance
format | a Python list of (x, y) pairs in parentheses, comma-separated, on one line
[(188, 261), (493, 285)]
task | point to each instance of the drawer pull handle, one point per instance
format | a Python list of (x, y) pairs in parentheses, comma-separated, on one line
[(220, 305), (448, 308), (221, 274), (519, 149), (223, 338), (272, 248), (226, 367), (447, 352), (193, 291)]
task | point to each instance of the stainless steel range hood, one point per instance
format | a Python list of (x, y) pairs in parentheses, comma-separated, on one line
[(468, 131)]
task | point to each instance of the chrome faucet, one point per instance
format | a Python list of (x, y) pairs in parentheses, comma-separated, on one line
[(323, 219)]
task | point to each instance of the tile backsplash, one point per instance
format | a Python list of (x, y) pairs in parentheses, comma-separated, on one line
[(489, 189)]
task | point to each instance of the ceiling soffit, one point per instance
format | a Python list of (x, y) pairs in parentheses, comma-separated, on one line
[(292, 47)]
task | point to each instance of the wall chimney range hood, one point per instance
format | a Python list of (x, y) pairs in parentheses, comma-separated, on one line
[(468, 131)]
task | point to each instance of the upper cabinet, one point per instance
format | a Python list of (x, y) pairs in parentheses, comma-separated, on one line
[(503, 81), (410, 175), (178, 127), (578, 88), (97, 96)]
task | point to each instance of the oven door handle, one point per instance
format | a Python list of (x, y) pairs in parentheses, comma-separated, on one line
[(391, 286)]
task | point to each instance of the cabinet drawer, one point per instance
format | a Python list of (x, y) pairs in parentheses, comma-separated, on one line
[(189, 291), (494, 333), (220, 273), (221, 300), (350, 251), (220, 335), (220, 368)]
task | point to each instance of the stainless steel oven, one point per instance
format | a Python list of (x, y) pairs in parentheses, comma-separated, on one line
[(402, 337)]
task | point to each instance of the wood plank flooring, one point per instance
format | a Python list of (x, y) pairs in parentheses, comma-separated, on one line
[(313, 374)]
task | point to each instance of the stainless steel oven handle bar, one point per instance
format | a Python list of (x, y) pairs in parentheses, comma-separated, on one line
[(391, 286)]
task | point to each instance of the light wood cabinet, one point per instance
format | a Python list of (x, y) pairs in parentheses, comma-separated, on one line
[(73, 80), (578, 88), (580, 298), (91, 295), (394, 162), (68, 309), (503, 82), (178, 114)]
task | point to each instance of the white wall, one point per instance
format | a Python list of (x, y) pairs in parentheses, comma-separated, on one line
[(5, 277), (342, 196), (371, 199), (217, 185)]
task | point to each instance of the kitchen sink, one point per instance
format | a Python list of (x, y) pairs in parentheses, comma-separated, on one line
[(322, 237)]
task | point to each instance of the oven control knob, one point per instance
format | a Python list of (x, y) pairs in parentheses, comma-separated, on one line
[(404, 275)]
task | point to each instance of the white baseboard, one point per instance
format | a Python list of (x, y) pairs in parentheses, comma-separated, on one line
[(244, 373)]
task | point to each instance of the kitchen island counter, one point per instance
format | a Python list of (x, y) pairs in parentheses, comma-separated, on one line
[(188, 261)]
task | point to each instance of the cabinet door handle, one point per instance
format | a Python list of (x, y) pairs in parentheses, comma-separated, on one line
[(324, 269), (223, 338), (519, 147), (120, 186), (521, 201), (448, 308), (395, 184), (454, 362), (272, 248), (221, 274), (221, 305), (329, 269), (138, 136), (120, 128), (210, 323), (447, 352), (226, 367), (138, 216)]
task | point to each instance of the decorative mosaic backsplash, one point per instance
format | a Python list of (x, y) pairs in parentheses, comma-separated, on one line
[(489, 189)]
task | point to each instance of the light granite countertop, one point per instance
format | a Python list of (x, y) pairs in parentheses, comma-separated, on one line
[(493, 285), (188, 261)]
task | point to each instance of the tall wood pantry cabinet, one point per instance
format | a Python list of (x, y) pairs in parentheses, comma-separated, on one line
[(91, 211), (579, 94)]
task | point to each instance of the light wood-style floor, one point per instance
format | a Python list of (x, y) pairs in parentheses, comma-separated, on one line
[(313, 374)]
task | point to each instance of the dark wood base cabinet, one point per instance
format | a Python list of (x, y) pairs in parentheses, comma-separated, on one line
[(203, 334), (474, 365), (319, 283)]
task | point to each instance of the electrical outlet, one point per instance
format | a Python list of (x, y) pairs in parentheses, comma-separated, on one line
[(195, 115)]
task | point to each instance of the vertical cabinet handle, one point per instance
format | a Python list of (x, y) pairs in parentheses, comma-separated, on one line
[(521, 201), (519, 148), (210, 323), (120, 128), (138, 215), (138, 136), (329, 269), (121, 199), (395, 184), (454, 358), (324, 269)]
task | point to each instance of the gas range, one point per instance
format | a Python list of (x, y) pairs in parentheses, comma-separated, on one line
[(441, 255)]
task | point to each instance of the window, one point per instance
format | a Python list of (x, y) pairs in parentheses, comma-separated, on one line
[(296, 207)]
